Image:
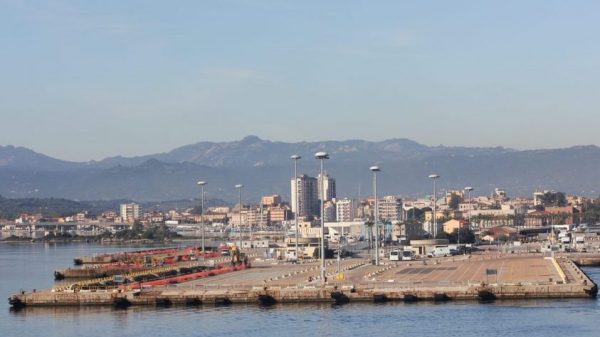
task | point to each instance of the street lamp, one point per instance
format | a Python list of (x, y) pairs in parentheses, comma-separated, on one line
[(239, 187), (434, 177), (376, 169), (201, 184), (321, 156), (295, 158), (468, 189)]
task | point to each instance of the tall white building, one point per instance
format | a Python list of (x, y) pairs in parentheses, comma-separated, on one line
[(345, 210), (308, 200), (329, 186), (130, 212)]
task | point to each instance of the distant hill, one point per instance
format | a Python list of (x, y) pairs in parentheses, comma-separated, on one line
[(253, 151), (57, 207), (21, 158), (264, 167), (53, 207)]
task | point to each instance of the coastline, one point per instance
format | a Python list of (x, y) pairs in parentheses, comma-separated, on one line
[(117, 242)]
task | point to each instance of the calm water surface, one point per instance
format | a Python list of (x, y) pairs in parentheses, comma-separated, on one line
[(29, 266)]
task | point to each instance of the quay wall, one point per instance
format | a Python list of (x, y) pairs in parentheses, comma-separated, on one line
[(348, 293)]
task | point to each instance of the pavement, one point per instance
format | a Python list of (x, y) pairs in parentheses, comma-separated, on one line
[(460, 270)]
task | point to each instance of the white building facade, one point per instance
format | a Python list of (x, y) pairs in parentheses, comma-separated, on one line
[(345, 210)]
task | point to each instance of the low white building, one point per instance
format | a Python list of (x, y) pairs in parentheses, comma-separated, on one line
[(347, 228)]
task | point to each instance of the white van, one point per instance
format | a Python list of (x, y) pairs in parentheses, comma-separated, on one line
[(408, 255), (395, 255), (441, 251)]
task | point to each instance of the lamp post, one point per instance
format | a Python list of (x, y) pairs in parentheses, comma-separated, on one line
[(239, 187), (434, 177), (376, 169), (468, 189), (201, 184), (321, 156), (295, 158)]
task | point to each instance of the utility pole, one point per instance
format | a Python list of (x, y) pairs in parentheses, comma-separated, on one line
[(322, 156), (295, 158), (376, 169), (201, 184)]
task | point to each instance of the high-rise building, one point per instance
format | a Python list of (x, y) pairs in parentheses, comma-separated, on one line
[(130, 212), (345, 211), (390, 209), (329, 186), (308, 200)]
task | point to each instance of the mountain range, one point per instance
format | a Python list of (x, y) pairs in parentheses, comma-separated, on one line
[(264, 167)]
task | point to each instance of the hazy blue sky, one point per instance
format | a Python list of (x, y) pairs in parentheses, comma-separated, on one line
[(88, 79)]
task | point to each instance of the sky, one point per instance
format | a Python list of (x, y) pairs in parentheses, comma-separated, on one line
[(83, 80)]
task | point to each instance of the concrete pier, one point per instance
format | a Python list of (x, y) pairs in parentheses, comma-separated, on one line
[(481, 278), (584, 259)]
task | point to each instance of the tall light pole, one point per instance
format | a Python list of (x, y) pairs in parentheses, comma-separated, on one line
[(376, 169), (321, 156), (239, 187), (434, 177), (468, 189), (201, 184), (295, 158)]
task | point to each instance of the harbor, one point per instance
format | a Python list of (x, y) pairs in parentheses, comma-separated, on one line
[(250, 278)]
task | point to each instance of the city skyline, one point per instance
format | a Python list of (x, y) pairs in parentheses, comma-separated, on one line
[(266, 167), (153, 77)]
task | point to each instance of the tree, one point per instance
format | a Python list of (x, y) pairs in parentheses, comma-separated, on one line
[(554, 199), (454, 201), (138, 227), (417, 214), (591, 214), (328, 253), (466, 235), (442, 235)]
